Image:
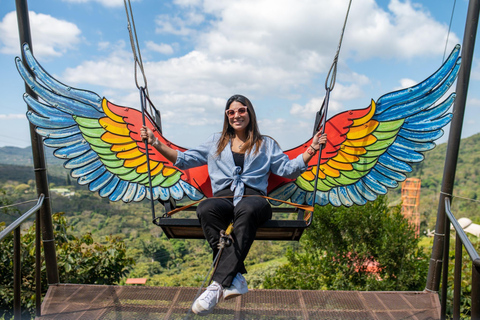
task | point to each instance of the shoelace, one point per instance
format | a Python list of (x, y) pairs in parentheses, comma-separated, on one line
[(213, 289)]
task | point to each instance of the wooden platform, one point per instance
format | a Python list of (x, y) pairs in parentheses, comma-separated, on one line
[(135, 302)]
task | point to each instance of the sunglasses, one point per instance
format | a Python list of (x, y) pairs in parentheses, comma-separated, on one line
[(231, 113)]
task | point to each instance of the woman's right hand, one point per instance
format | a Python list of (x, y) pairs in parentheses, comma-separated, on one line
[(147, 134)]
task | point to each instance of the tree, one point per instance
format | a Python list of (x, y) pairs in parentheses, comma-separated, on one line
[(80, 260), (370, 247)]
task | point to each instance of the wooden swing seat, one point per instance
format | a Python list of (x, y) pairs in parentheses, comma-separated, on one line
[(288, 230)]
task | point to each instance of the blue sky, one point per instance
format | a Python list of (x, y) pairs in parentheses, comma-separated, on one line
[(197, 53)]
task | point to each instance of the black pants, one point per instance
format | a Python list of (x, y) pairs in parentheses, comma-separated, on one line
[(247, 216)]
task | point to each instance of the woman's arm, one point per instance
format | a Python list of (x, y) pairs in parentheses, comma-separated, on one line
[(318, 139), (166, 151)]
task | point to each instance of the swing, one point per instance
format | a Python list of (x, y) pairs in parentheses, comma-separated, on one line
[(368, 151), (188, 228)]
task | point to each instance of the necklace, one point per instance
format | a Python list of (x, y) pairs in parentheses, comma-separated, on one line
[(240, 146)]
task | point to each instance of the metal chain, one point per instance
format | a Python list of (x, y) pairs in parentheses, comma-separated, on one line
[(332, 73), (137, 56)]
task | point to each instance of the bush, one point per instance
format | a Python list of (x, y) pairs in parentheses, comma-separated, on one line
[(80, 260), (370, 247)]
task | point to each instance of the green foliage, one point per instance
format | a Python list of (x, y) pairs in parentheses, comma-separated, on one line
[(342, 246), (80, 260), (466, 283)]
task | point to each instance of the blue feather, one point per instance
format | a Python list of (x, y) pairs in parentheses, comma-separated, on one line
[(82, 160), (91, 176), (44, 110), (386, 181), (409, 108), (394, 164), (101, 182), (431, 125), (401, 142), (191, 191), (333, 197), (299, 196), (321, 198), (55, 123), (374, 185), (344, 197), (71, 151), (434, 112), (109, 188), (64, 142), (119, 191), (397, 176), (85, 96), (130, 193), (387, 100), (366, 192), (176, 191), (141, 193), (355, 195), (67, 105), (417, 136), (80, 172), (57, 133)]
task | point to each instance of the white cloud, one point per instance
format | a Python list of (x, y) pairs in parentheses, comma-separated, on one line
[(161, 48), (177, 25), (405, 31), (52, 37), (406, 83), (106, 3), (12, 116)]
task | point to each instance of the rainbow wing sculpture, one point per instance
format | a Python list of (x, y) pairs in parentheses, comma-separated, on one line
[(368, 151)]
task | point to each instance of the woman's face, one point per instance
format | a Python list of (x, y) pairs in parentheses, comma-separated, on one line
[(238, 117)]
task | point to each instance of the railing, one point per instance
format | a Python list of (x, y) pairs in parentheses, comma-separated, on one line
[(461, 241), (17, 278)]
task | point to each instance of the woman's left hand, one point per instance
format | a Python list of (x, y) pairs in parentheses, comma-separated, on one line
[(319, 139)]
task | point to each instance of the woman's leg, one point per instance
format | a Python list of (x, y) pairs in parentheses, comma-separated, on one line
[(214, 215), (249, 214)]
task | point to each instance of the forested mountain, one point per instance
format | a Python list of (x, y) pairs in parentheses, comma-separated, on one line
[(185, 262)]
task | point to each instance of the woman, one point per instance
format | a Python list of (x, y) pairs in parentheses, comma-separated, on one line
[(239, 162)]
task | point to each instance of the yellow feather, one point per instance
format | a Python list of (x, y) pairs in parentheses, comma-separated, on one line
[(355, 151), (132, 163), (345, 157), (131, 154), (363, 142), (114, 127), (362, 131), (367, 117), (339, 165), (123, 147), (109, 112), (115, 139), (329, 171), (168, 171)]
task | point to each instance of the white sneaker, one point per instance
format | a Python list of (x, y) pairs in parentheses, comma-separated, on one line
[(238, 287), (208, 299)]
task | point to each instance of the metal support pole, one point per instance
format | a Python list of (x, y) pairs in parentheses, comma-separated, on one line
[(435, 267), (457, 278), (475, 292), (17, 275), (39, 158), (443, 302), (38, 265)]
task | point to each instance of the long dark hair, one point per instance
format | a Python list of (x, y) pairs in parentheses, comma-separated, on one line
[(254, 138)]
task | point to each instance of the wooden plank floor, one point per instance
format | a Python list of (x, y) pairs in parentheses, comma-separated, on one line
[(68, 301)]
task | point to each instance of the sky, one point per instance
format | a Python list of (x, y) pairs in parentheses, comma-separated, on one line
[(198, 53)]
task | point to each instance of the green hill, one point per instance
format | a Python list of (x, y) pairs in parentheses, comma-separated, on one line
[(185, 262)]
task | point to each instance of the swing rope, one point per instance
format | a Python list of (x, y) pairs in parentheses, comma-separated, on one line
[(329, 85), (449, 28), (134, 44)]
